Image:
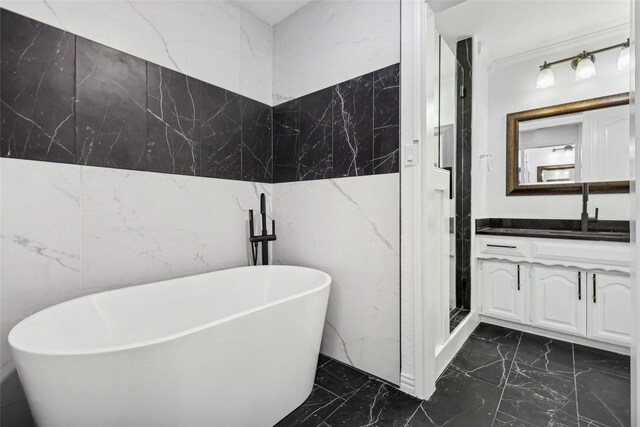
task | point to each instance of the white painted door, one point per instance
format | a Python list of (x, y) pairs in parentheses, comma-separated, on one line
[(608, 148), (558, 299), (503, 290), (609, 308)]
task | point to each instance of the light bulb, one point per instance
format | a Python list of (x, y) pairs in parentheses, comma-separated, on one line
[(545, 77), (624, 60), (585, 69)]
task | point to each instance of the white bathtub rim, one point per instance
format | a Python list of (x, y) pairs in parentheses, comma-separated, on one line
[(170, 337)]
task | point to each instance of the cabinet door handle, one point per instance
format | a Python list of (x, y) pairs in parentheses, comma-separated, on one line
[(518, 276), (579, 285), (492, 245), (594, 287)]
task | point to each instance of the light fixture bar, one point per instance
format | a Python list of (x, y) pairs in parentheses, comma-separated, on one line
[(589, 54)]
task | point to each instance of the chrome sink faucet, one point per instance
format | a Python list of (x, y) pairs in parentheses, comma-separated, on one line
[(585, 219)]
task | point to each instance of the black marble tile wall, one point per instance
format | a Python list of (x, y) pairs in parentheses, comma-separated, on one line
[(257, 156), (353, 125), (68, 99), (350, 129), (464, 69), (286, 141), (386, 120), (111, 125), (315, 155), (36, 90), (173, 122), (221, 133)]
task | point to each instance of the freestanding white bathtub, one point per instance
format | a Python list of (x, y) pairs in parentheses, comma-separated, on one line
[(232, 348)]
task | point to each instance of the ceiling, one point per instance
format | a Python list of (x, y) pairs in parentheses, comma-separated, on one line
[(440, 5), (513, 27), (271, 11)]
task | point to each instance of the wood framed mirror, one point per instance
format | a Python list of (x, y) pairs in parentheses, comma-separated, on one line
[(553, 150)]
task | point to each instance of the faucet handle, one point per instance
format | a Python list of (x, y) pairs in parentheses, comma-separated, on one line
[(251, 222)]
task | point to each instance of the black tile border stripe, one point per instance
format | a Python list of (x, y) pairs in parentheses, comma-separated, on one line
[(349, 129), (128, 113)]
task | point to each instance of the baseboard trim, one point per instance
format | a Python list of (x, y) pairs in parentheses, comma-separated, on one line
[(455, 342), (408, 384), (557, 335)]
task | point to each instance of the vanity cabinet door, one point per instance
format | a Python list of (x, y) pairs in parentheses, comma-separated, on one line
[(559, 297), (503, 290), (609, 308)]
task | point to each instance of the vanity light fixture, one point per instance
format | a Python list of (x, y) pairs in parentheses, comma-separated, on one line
[(565, 148), (583, 63), (584, 66), (624, 60), (545, 77)]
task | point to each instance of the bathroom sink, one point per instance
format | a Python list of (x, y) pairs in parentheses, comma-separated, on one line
[(611, 231)]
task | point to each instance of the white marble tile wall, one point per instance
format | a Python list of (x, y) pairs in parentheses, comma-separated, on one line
[(192, 37), (40, 240), (327, 42), (69, 230), (349, 228), (141, 227)]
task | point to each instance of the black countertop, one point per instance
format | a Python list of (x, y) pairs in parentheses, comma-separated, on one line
[(609, 231)]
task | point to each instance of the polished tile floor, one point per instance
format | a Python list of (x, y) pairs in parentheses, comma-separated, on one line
[(500, 377), (456, 316)]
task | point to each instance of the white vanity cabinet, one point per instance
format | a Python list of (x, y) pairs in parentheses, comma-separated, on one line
[(503, 290), (568, 287), (609, 308), (558, 299)]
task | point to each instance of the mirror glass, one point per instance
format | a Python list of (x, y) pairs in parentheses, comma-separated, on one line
[(588, 146)]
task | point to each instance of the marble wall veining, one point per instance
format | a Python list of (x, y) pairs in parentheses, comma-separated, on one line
[(349, 129), (336, 191), (37, 90), (128, 113), (332, 148), (192, 37), (327, 42), (110, 108), (350, 228), (173, 122), (108, 228)]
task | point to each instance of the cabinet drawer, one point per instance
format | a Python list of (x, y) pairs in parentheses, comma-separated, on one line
[(589, 252), (488, 247)]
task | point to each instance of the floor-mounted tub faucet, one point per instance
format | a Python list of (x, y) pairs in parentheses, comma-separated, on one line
[(264, 238)]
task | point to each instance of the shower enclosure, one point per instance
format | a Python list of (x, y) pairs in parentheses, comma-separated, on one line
[(453, 130)]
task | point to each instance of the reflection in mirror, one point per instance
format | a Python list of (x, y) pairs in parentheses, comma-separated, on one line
[(584, 147), (553, 150), (546, 144)]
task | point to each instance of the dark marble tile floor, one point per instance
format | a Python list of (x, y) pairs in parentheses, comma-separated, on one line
[(456, 316), (500, 378)]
